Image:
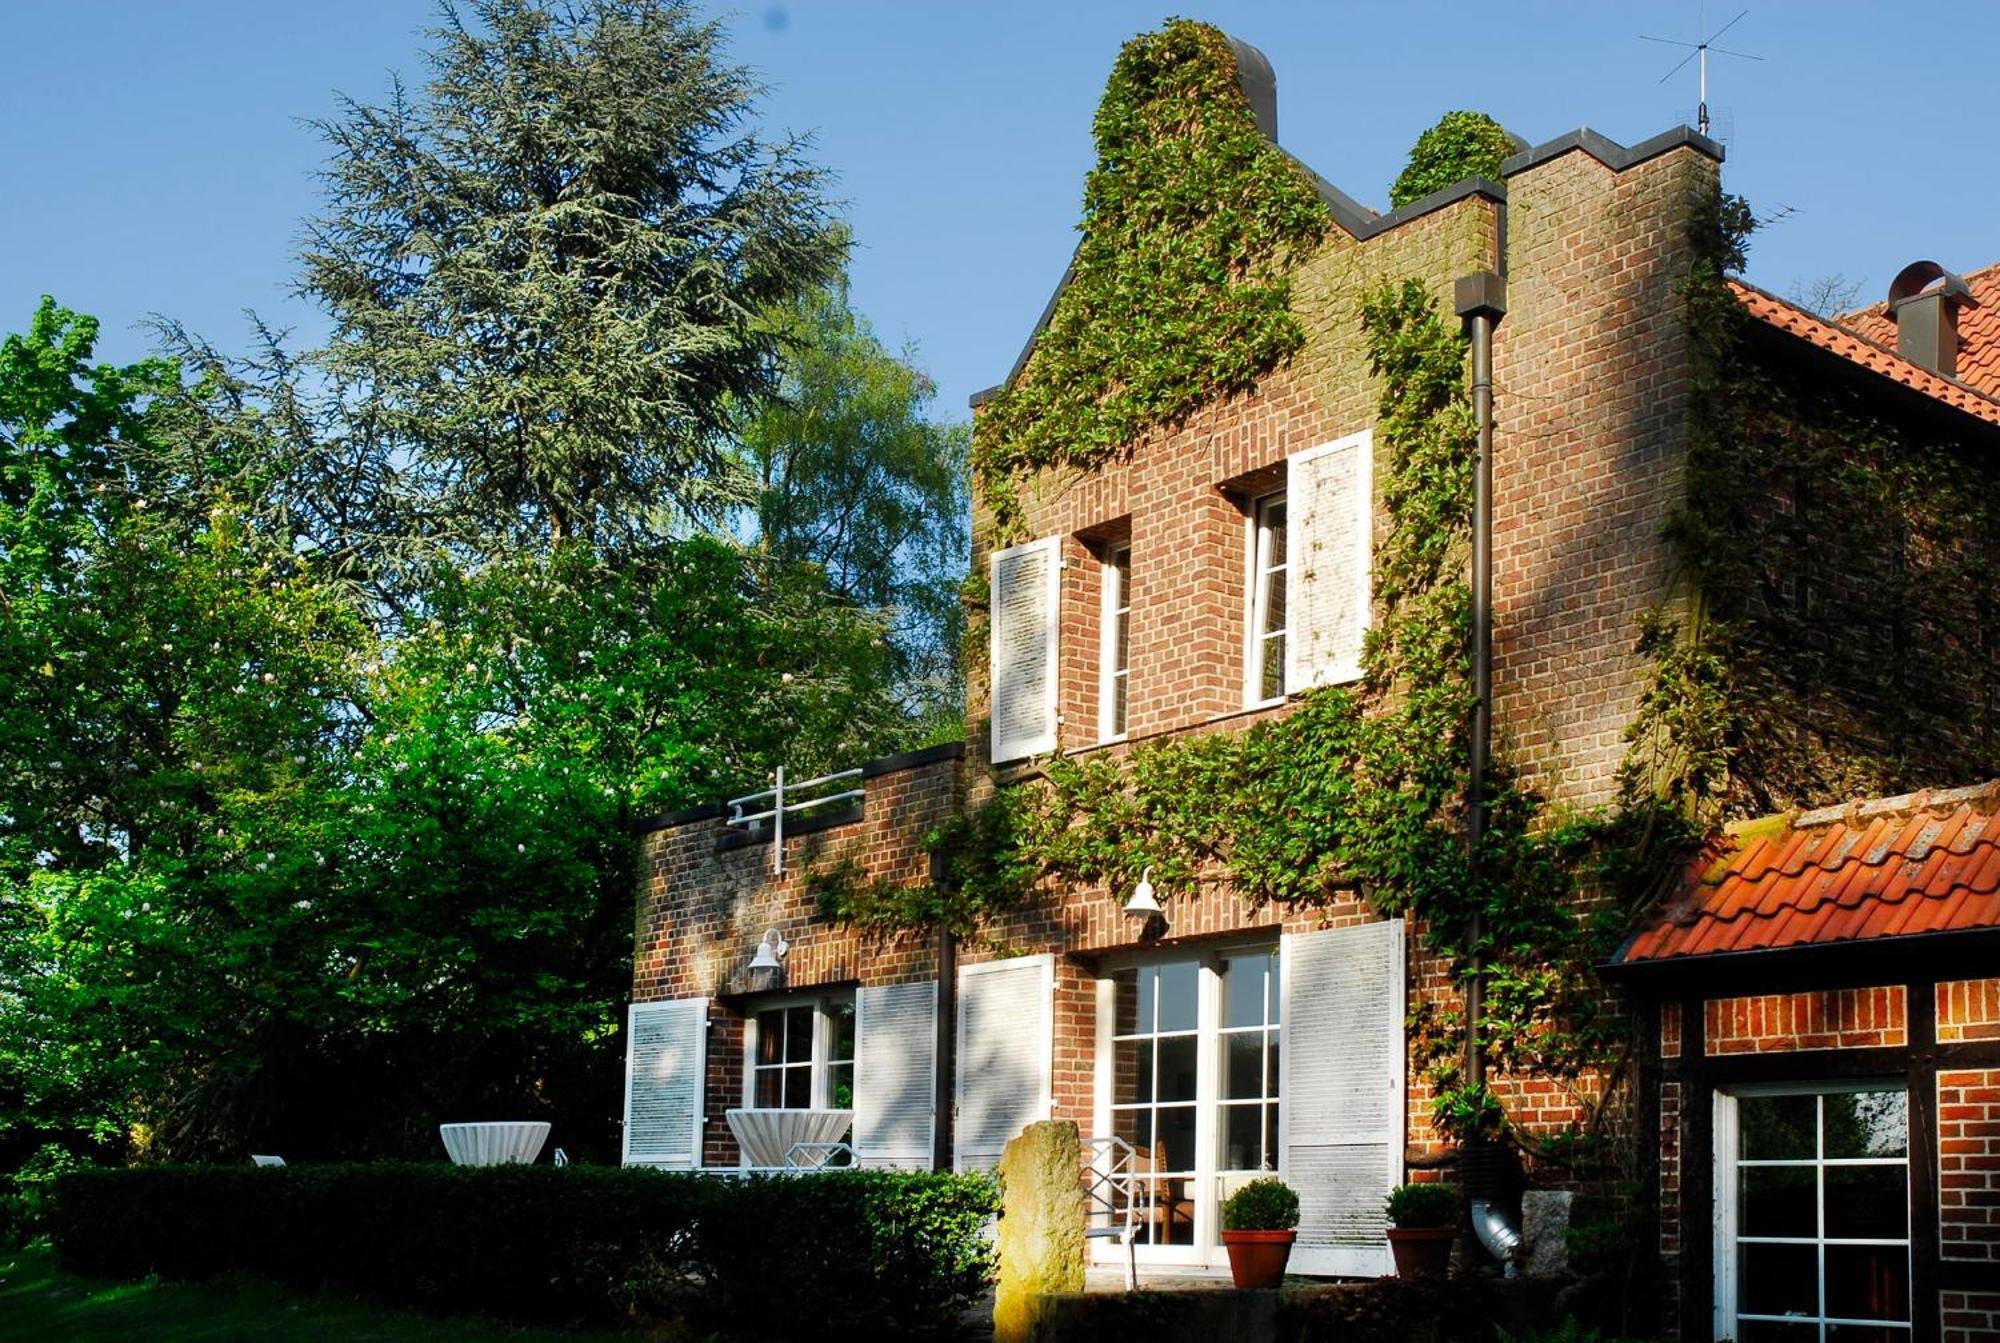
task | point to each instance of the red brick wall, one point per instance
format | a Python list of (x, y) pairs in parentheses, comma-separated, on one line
[(1590, 374), (702, 910), (1829, 1019), (1969, 1317), (1968, 1109), (1968, 1009)]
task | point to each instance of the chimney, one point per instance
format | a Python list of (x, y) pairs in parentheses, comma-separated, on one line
[(1927, 315)]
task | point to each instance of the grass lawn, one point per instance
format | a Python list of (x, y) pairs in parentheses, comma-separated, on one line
[(38, 1301)]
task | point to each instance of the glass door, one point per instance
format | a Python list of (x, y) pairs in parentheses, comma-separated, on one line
[(1188, 1076)]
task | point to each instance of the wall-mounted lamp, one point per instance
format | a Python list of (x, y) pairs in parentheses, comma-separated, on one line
[(1142, 905), (771, 951)]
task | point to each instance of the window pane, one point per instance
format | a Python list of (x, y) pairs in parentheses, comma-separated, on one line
[(1135, 1127), (1124, 1002), (799, 1035), (1149, 997), (1243, 1066), (1867, 1123), (1131, 1072), (1274, 602), (840, 1085), (840, 1017), (1177, 1062), (770, 1089), (770, 1037), (1175, 1130), (1866, 1333), (1243, 983), (1118, 701), (1274, 522), (1271, 1136), (1770, 1331), (1867, 1203), (1178, 1002), (1271, 683), (1868, 1282), (1778, 1201), (1778, 1127), (1242, 1137), (1778, 1280), (798, 1088)]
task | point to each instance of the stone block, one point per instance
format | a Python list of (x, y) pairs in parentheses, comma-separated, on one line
[(1042, 1212), (1545, 1232)]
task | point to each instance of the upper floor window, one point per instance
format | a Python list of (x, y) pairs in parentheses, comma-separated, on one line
[(802, 1054), (1114, 692), (1270, 573)]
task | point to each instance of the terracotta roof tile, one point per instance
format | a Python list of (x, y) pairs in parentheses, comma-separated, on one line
[(1893, 867), (1978, 330), (1979, 400)]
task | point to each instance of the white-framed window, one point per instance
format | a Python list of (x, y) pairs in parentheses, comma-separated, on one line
[(1113, 690), (1188, 1075), (1812, 1191), (1270, 573), (799, 1053)]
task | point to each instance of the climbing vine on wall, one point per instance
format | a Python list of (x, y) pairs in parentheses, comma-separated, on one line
[(1179, 291), (1834, 631), (1358, 788)]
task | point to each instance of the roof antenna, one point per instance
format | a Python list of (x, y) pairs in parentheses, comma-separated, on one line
[(1699, 51)]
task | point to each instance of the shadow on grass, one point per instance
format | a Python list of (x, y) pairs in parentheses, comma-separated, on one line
[(38, 1301)]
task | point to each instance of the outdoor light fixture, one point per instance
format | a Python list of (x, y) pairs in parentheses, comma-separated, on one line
[(771, 951), (1142, 905)]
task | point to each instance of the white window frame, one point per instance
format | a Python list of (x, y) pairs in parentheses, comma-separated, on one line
[(1117, 601), (1728, 1135), (1259, 564), (1209, 1184), (822, 1045)]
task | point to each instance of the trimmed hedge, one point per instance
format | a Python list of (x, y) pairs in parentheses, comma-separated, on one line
[(855, 1253)]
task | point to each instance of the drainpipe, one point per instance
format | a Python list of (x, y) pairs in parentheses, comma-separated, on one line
[(947, 1028), (1481, 300)]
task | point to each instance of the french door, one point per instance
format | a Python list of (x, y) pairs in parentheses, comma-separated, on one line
[(1188, 1076)]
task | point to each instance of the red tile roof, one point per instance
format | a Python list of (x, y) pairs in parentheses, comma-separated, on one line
[(1869, 353), (1978, 330), (1923, 863)]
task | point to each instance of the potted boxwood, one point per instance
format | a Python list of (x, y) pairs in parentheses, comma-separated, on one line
[(1259, 1223), (1423, 1222)]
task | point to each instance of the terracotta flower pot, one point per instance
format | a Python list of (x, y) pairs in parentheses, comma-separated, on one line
[(1257, 1258), (1421, 1251)]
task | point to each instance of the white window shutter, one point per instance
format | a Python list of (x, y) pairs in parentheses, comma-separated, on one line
[(1025, 583), (666, 1053), (1006, 1050), (1342, 1097), (895, 1074), (1330, 517)]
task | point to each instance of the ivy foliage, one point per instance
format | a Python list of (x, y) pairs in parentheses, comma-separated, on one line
[(1460, 145), (1359, 787), (1833, 632), (1179, 292)]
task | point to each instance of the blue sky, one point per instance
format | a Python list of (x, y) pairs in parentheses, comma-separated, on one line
[(152, 158)]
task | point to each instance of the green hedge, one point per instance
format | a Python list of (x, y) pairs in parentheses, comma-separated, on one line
[(858, 1253)]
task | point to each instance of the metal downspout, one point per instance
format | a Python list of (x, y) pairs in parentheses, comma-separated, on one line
[(947, 1030), (1481, 300)]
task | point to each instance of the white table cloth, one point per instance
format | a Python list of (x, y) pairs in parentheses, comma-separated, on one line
[(494, 1144), (767, 1135)]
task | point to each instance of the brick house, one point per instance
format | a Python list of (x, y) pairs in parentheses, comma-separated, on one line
[(1169, 593)]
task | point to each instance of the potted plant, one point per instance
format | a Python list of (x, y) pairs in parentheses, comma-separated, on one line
[(1259, 1224), (1423, 1222)]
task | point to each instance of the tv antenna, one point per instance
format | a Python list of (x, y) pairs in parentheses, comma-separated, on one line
[(1698, 51)]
